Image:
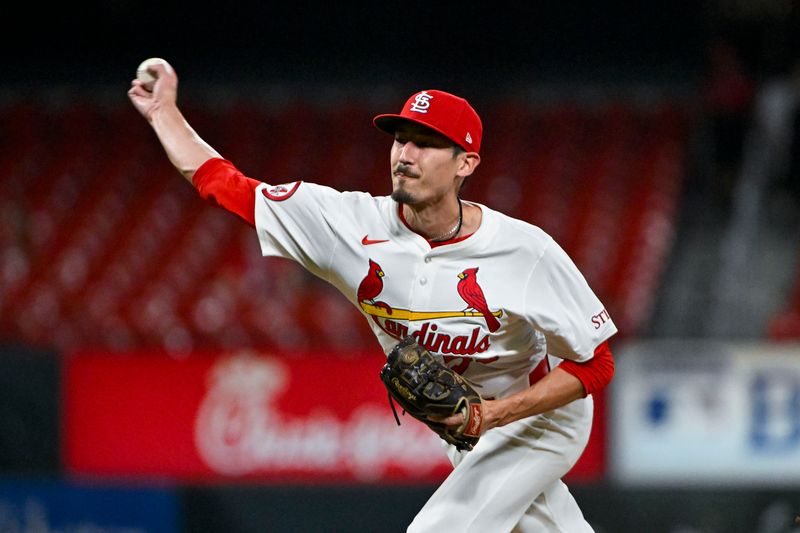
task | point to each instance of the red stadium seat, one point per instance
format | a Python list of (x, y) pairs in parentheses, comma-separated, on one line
[(108, 246)]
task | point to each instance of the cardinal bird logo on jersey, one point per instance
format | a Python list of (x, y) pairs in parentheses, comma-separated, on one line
[(429, 326), (472, 293), (371, 286)]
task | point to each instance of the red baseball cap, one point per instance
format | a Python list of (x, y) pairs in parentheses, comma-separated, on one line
[(446, 113)]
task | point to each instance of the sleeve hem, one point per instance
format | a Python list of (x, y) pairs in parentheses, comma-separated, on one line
[(206, 170), (595, 373)]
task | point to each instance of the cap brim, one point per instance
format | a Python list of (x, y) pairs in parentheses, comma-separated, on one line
[(388, 123)]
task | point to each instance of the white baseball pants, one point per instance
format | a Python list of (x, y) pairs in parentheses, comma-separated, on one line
[(511, 480)]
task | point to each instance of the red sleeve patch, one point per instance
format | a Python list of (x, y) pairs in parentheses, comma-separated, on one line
[(279, 193)]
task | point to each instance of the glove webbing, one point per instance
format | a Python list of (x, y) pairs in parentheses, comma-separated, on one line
[(427, 375)]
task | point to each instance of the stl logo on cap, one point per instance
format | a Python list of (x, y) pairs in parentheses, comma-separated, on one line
[(451, 116), (421, 102)]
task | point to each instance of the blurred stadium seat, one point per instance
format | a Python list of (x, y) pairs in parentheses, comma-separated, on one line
[(104, 245)]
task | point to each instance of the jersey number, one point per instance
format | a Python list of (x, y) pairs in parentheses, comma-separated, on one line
[(461, 366)]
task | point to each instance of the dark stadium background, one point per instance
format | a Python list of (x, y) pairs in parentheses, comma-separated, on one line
[(480, 44), (371, 54)]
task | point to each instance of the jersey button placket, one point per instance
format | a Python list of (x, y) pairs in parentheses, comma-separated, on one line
[(425, 277)]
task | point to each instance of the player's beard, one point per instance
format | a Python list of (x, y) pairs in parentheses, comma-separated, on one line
[(403, 197)]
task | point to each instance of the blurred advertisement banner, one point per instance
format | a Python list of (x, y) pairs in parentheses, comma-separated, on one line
[(243, 414), (707, 414), (247, 415), (44, 507)]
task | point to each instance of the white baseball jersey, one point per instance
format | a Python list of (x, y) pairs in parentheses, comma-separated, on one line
[(492, 305)]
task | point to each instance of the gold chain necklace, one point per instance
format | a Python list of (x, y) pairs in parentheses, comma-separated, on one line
[(454, 230)]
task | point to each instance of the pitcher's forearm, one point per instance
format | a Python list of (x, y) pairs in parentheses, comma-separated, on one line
[(554, 390), (184, 147)]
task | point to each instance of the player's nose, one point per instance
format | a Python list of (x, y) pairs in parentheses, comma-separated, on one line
[(408, 152)]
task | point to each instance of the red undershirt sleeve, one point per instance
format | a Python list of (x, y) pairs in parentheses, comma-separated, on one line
[(221, 184), (595, 373)]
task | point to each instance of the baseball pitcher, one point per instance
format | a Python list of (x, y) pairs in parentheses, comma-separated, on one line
[(478, 312)]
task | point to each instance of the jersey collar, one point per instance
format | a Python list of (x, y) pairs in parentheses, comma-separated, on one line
[(464, 240)]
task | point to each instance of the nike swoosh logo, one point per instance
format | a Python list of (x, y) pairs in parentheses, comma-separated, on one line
[(366, 241)]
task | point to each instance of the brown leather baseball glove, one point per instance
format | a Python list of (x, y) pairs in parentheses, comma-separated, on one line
[(425, 387)]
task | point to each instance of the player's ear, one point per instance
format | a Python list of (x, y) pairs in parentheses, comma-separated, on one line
[(467, 163)]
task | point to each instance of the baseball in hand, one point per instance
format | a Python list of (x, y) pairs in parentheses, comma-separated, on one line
[(143, 75)]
